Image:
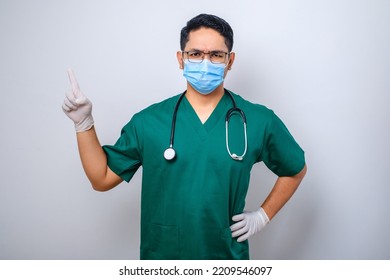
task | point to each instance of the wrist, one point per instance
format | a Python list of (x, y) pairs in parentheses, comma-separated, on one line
[(263, 215), (85, 124)]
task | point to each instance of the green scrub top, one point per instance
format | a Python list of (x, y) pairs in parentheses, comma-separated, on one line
[(187, 204)]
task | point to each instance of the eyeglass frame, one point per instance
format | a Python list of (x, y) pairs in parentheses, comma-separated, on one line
[(227, 55)]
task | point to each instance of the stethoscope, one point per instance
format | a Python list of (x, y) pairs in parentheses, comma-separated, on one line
[(170, 152)]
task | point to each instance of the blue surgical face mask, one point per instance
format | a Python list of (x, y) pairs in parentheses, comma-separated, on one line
[(204, 77)]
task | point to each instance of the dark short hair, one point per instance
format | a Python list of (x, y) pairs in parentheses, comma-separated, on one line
[(208, 21)]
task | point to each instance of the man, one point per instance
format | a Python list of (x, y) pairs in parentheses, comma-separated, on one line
[(193, 193)]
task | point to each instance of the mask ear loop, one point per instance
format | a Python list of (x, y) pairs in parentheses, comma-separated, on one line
[(228, 115)]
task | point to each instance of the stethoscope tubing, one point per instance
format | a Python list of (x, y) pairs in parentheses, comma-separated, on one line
[(170, 152), (173, 126)]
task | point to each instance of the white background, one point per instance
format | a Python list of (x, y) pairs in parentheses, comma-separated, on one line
[(323, 66)]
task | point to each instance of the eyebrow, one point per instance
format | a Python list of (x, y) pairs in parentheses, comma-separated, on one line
[(197, 50)]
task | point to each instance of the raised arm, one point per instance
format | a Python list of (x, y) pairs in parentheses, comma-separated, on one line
[(79, 109)]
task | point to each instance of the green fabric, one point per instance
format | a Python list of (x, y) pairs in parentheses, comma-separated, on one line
[(187, 204)]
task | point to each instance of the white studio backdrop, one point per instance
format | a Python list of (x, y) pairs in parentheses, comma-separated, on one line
[(323, 66)]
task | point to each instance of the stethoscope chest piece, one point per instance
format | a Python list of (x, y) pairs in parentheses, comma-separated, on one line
[(169, 154)]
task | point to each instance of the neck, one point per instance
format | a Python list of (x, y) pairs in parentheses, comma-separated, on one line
[(204, 105), (197, 99)]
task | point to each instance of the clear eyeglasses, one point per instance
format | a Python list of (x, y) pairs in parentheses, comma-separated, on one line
[(198, 56)]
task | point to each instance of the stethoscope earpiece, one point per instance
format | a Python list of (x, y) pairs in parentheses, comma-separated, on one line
[(170, 154)]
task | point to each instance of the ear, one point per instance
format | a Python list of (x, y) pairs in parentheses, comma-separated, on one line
[(179, 57), (230, 63), (231, 60)]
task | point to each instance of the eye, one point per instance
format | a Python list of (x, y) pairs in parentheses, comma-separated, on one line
[(194, 54), (217, 54)]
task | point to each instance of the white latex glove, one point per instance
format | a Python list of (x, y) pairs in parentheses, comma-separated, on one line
[(77, 106), (248, 223)]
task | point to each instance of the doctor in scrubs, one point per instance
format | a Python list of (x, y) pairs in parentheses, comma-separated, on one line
[(197, 149)]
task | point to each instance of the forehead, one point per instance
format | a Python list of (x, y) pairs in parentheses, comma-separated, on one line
[(206, 39)]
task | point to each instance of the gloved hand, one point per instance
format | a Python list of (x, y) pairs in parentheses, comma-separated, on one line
[(248, 223), (77, 106)]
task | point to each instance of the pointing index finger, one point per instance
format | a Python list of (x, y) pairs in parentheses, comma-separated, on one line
[(73, 81)]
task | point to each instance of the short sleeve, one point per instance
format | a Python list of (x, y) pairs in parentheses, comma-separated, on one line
[(281, 153), (124, 158)]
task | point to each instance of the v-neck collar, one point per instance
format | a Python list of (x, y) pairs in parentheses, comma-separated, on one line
[(218, 113)]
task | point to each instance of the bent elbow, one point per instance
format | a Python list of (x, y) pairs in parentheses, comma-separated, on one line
[(101, 187), (106, 182)]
